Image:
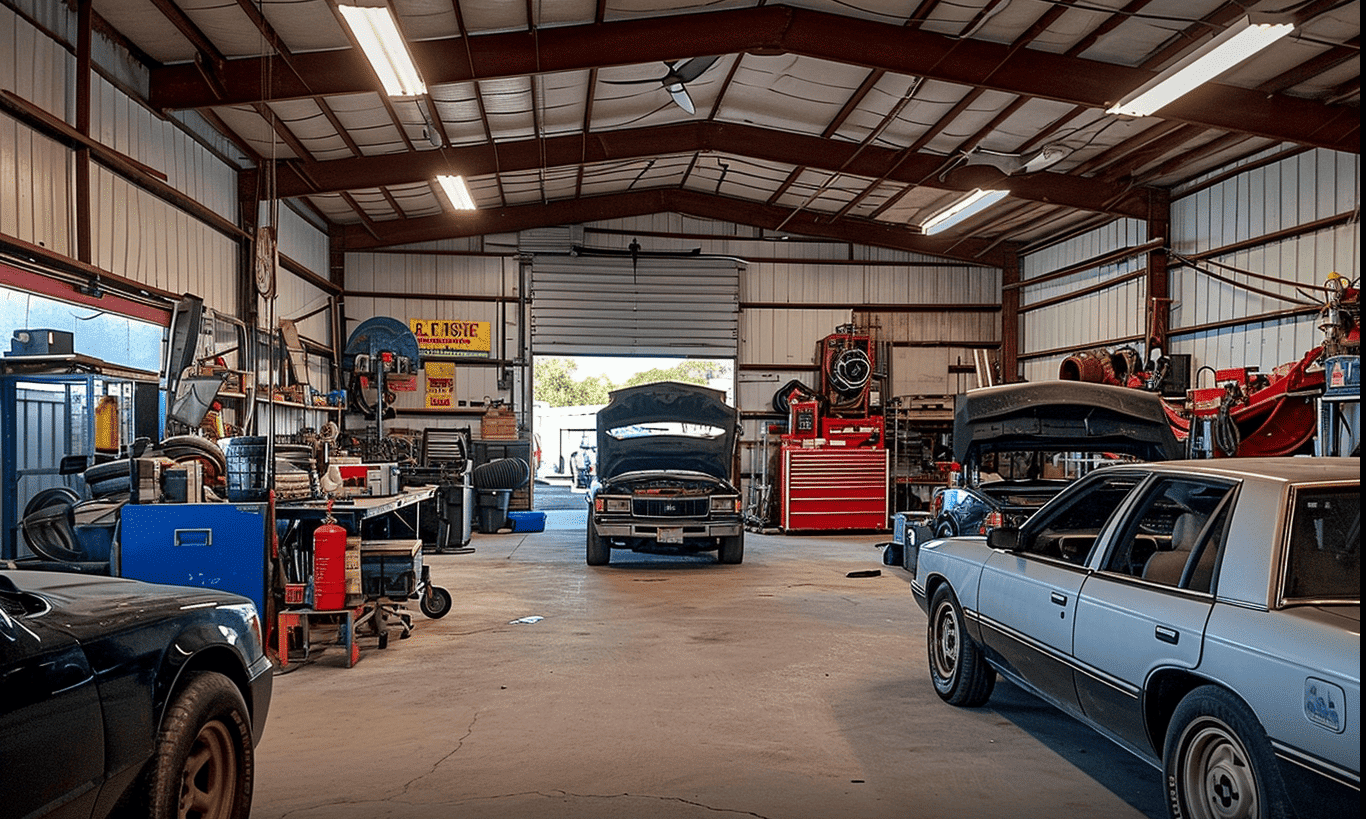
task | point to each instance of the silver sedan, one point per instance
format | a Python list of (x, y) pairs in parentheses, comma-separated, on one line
[(1205, 615)]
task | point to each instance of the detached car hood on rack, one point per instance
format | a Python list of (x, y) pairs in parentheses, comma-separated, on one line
[(659, 403), (1062, 415)]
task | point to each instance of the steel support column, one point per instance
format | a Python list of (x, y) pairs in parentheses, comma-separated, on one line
[(1159, 284), (1010, 313)]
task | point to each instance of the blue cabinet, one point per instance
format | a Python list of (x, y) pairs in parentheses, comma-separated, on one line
[(214, 545)]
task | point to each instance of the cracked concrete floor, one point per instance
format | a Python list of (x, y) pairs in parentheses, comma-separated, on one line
[(671, 687)]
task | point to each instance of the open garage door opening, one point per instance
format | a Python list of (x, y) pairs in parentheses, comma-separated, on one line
[(568, 391)]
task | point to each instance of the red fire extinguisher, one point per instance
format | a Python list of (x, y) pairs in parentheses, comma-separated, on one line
[(329, 565)]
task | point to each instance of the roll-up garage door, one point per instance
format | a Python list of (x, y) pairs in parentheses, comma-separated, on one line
[(667, 307)]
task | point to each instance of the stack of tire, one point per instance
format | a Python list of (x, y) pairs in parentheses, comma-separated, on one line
[(110, 480)]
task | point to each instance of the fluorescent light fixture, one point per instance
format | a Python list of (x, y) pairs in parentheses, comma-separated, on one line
[(377, 33), (970, 205), (456, 192), (1234, 44)]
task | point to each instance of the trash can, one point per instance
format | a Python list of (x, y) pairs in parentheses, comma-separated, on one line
[(493, 509)]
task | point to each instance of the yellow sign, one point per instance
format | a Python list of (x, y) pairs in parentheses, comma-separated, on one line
[(442, 338), (440, 384)]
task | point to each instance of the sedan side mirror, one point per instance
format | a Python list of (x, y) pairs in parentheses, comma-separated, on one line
[(1005, 538)]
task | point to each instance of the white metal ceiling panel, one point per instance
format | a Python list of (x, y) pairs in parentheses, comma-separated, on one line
[(483, 16), (634, 9), (507, 105), (789, 92), (970, 121), (227, 25), (255, 131), (458, 107), (650, 306), (309, 25), (563, 12), (866, 119), (561, 100), (737, 177), (147, 28), (425, 19), (931, 102), (364, 116), (306, 121)]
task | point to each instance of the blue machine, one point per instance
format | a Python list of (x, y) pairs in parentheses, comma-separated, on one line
[(214, 545)]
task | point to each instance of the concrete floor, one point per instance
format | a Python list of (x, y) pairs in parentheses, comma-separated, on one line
[(671, 687)]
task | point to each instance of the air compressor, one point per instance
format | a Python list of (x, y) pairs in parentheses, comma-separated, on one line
[(329, 565)]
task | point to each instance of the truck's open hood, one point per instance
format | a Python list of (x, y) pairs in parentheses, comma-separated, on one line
[(1062, 416), (662, 402)]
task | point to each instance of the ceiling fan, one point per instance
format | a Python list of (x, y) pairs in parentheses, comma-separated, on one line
[(680, 73)]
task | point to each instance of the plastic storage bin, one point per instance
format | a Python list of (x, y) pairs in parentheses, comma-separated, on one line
[(527, 521)]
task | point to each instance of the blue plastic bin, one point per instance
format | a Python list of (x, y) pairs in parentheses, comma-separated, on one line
[(527, 521)]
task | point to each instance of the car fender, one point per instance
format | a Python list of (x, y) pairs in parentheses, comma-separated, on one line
[(957, 561)]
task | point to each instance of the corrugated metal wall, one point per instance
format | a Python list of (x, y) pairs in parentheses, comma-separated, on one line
[(1115, 312), (137, 235), (449, 281), (1264, 212), (1289, 216)]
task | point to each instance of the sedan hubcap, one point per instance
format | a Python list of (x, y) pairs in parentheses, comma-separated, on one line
[(1221, 780), (946, 644)]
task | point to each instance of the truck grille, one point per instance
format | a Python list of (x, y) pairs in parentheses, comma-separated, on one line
[(670, 507)]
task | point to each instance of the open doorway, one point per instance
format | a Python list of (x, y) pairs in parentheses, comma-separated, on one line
[(568, 391)]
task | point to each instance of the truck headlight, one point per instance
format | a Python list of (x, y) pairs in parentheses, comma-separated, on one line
[(725, 503)]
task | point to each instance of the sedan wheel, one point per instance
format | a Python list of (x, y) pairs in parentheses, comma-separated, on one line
[(1219, 763), (202, 766), (598, 551), (958, 670)]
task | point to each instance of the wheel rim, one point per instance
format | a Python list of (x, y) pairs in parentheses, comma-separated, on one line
[(1218, 777), (209, 778), (945, 641)]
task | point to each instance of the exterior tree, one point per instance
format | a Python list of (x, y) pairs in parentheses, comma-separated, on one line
[(556, 385)]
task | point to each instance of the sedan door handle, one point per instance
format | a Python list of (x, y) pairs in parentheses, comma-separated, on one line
[(1167, 635), (1059, 598)]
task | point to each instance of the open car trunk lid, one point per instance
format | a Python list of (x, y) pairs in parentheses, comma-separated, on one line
[(1062, 416), (661, 403)]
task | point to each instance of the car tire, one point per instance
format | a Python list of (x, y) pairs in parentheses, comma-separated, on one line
[(435, 603), (598, 552), (1218, 761), (945, 529), (958, 670), (203, 761), (732, 550)]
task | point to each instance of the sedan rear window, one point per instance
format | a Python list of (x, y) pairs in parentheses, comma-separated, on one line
[(1325, 545)]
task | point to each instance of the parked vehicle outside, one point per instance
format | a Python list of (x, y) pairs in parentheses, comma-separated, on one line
[(122, 698), (1018, 445), (665, 479), (1205, 615)]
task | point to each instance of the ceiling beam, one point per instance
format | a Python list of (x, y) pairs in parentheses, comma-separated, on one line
[(775, 30), (695, 137), (641, 203)]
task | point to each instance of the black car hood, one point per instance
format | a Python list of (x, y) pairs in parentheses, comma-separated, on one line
[(1062, 415), (89, 605), (663, 402)]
